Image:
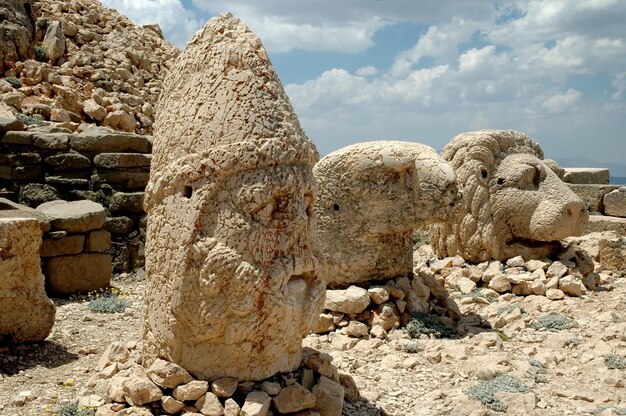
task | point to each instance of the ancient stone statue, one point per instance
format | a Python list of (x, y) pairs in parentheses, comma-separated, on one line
[(372, 196), (231, 251), (515, 202)]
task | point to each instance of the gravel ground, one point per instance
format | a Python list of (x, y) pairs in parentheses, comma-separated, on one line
[(563, 371)]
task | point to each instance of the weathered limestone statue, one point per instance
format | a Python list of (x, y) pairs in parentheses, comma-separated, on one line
[(371, 197), (231, 251), (26, 313), (515, 202)]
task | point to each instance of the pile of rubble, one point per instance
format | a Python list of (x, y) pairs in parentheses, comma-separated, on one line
[(87, 63), (123, 387)]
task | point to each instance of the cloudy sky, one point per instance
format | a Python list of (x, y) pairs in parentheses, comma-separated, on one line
[(424, 71)]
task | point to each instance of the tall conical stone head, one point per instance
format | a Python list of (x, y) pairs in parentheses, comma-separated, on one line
[(230, 246)]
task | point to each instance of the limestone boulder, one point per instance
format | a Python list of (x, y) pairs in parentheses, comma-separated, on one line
[(597, 176), (54, 41), (372, 197), (615, 202), (515, 203), (74, 217), (10, 209), (230, 250), (80, 273), (26, 313)]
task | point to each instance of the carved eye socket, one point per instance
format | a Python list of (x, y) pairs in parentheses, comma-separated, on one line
[(501, 181), (483, 172), (335, 207)]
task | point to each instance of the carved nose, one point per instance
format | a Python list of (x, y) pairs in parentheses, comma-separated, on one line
[(576, 213)]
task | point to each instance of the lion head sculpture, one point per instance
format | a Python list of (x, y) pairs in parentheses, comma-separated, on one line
[(515, 202)]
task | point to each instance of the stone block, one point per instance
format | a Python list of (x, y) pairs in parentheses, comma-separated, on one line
[(25, 173), (18, 137), (52, 141), (26, 313), (10, 124), (100, 139), (329, 397), (615, 203), (127, 201), (98, 241), (34, 194), (592, 195), (119, 225), (74, 217), (20, 159), (122, 160), (10, 209), (598, 176), (599, 223), (72, 244), (57, 180), (80, 273), (129, 180), (65, 162)]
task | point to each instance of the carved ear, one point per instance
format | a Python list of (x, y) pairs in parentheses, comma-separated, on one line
[(560, 172)]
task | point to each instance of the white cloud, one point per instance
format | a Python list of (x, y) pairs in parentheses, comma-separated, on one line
[(513, 70), (562, 101), (366, 71), (177, 23), (330, 25)]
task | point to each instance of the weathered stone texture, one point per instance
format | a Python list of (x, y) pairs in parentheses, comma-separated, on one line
[(16, 32), (371, 197), (598, 223), (54, 41), (615, 202), (26, 313), (74, 217), (79, 273), (230, 249), (593, 195), (598, 176), (515, 204)]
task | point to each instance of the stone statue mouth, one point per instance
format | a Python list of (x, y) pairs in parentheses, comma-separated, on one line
[(530, 243), (299, 286)]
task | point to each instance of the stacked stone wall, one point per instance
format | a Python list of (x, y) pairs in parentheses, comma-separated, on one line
[(606, 203), (112, 168)]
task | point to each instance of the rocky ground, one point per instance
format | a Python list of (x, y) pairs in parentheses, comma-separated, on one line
[(549, 366)]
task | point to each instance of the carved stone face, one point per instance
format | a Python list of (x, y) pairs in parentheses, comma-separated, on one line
[(528, 196), (514, 201), (248, 291)]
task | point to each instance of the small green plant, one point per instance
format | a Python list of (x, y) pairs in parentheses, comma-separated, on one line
[(72, 409), (615, 362), (553, 323), (423, 323), (510, 307), (107, 302), (15, 82), (503, 336), (411, 347), (40, 53), (29, 121), (572, 342), (485, 392)]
